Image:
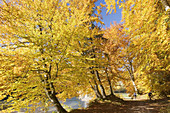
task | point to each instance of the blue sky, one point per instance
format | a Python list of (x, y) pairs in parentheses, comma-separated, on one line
[(107, 19), (110, 18)]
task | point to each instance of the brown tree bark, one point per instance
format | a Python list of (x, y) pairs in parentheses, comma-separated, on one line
[(96, 89), (50, 92), (130, 71), (109, 81), (100, 84)]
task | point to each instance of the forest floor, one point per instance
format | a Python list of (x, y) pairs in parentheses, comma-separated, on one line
[(127, 106), (139, 105)]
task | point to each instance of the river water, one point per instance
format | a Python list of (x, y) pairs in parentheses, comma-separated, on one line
[(73, 103)]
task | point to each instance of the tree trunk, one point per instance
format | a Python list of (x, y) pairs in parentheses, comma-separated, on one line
[(56, 103), (134, 85), (100, 84), (96, 89), (109, 81), (49, 87), (130, 71), (50, 92), (132, 76)]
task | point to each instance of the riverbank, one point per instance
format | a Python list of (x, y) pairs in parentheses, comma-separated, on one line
[(128, 106), (139, 105)]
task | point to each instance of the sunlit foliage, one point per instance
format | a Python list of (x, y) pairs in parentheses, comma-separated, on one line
[(40, 44)]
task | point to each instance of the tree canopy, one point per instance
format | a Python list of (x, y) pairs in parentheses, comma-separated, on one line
[(146, 23), (53, 49), (41, 49)]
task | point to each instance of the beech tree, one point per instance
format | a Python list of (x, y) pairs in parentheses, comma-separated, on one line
[(118, 55), (146, 23), (95, 66), (120, 59), (103, 76), (101, 79), (40, 44), (150, 41)]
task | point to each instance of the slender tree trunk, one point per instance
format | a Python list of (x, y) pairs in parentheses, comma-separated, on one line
[(96, 89), (109, 81), (49, 87), (131, 75), (133, 82), (50, 92), (100, 84), (56, 103)]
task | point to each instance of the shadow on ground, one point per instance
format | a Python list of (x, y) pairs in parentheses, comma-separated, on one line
[(130, 106)]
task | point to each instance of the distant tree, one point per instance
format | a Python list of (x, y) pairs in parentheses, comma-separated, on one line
[(146, 23)]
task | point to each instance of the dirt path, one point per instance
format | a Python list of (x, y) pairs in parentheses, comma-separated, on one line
[(128, 106), (131, 106), (146, 106)]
